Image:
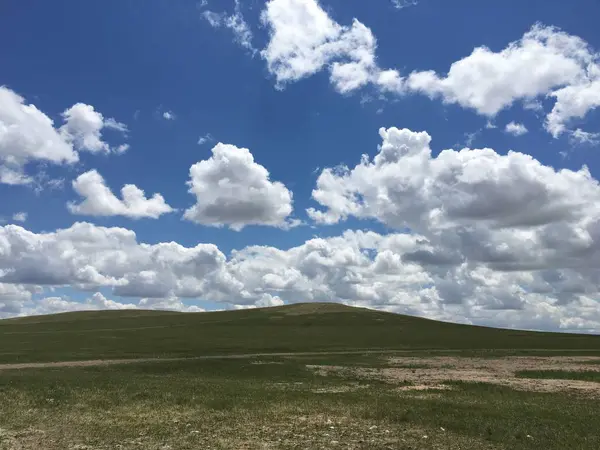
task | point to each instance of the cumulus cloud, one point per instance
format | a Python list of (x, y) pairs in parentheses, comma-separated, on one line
[(83, 127), (475, 210), (516, 129), (405, 186), (52, 305), (235, 23), (305, 40), (27, 134), (98, 199), (169, 304), (19, 216), (233, 190), (574, 101), (402, 272), (12, 299), (88, 257), (544, 62), (29, 306)]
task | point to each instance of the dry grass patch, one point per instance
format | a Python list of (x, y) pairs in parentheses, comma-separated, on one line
[(424, 373), (241, 431)]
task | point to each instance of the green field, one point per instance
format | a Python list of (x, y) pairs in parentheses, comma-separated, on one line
[(294, 328), (343, 378)]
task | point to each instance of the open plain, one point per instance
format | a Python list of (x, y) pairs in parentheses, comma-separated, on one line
[(300, 376)]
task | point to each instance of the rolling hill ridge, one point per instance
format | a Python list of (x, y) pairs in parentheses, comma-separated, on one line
[(290, 328)]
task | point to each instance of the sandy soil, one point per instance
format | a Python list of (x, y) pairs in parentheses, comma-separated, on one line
[(433, 372)]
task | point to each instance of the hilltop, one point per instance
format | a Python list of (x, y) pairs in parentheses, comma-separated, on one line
[(290, 328)]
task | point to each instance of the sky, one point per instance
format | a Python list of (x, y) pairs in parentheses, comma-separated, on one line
[(423, 157)]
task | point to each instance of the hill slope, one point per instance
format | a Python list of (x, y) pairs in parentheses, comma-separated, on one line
[(292, 328)]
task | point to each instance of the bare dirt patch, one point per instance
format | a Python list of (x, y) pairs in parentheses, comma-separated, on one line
[(107, 362), (266, 363), (22, 440), (88, 363), (433, 372)]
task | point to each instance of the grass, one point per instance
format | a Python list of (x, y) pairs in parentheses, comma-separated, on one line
[(275, 401), (583, 375), (241, 404), (294, 328)]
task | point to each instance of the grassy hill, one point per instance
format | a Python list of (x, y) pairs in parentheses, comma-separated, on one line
[(291, 328), (374, 401)]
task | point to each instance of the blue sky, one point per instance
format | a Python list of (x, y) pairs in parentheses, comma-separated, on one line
[(169, 73)]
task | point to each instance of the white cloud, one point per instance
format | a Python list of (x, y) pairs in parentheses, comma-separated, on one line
[(574, 101), (204, 139), (409, 273), (122, 149), (41, 182), (98, 199), (19, 216), (502, 212), (401, 4), (169, 304), (489, 82), (583, 137), (89, 257), (235, 22), (28, 135), (232, 189), (168, 115), (12, 298), (304, 40), (471, 137), (52, 305), (516, 129), (13, 176), (214, 19), (83, 127), (533, 104), (544, 62), (114, 125)]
